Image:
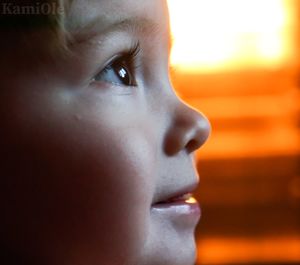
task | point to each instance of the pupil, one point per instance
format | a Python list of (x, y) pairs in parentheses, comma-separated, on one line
[(123, 75)]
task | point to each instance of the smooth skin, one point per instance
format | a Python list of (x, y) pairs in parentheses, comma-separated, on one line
[(86, 150)]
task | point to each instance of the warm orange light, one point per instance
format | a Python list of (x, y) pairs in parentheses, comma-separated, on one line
[(279, 250), (215, 34)]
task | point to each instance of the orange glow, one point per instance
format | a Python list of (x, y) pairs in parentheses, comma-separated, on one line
[(238, 62), (211, 35), (275, 249)]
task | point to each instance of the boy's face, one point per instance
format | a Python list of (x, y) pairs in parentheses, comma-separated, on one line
[(95, 142)]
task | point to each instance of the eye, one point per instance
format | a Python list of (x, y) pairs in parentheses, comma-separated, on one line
[(121, 71)]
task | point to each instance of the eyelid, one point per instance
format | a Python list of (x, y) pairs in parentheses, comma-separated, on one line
[(127, 59), (129, 54)]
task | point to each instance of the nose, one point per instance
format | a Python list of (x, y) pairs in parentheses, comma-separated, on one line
[(188, 131)]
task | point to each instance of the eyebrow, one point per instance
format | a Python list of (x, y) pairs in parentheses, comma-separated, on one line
[(135, 25)]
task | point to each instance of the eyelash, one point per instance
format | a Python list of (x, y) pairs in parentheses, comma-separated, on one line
[(128, 62), (132, 54)]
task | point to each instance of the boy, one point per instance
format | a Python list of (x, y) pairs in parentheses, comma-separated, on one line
[(96, 149)]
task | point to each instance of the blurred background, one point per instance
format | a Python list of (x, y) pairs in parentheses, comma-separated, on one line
[(238, 62)]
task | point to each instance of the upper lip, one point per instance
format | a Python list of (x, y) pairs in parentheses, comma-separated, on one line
[(176, 193)]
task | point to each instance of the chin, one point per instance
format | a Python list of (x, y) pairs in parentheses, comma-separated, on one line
[(172, 249), (187, 254)]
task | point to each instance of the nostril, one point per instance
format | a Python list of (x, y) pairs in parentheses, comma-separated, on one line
[(188, 138), (200, 135), (189, 130), (192, 145)]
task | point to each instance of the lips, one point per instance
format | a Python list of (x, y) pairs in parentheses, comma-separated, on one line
[(181, 198), (179, 207), (182, 195)]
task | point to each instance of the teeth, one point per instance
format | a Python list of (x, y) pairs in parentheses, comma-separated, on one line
[(183, 197), (187, 196)]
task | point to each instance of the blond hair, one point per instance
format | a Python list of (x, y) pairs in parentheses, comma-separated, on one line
[(22, 19)]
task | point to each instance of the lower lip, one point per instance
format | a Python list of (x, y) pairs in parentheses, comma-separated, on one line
[(187, 211)]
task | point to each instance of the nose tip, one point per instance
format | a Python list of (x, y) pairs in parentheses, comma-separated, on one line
[(189, 131), (198, 134)]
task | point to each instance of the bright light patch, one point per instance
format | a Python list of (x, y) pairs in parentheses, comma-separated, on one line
[(216, 34), (191, 200)]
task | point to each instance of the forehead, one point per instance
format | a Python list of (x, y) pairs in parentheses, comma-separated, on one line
[(101, 14)]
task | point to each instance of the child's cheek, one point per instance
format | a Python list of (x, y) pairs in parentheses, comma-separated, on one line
[(91, 166)]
